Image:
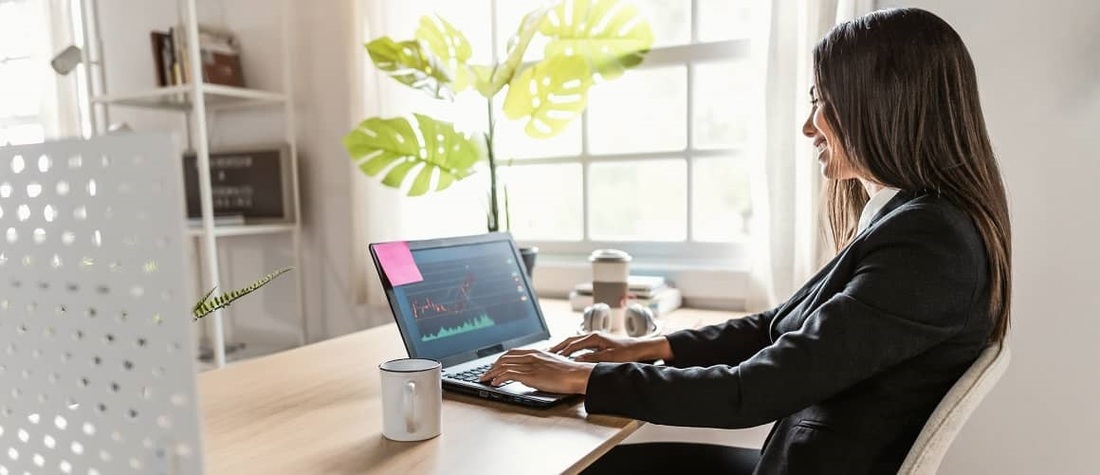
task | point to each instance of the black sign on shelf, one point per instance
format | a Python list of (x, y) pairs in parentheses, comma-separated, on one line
[(251, 184)]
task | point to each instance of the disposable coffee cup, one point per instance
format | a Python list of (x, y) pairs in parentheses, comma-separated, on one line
[(610, 274)]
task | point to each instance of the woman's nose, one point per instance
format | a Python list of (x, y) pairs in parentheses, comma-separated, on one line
[(808, 128)]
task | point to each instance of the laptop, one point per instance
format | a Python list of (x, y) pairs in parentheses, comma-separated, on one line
[(464, 301)]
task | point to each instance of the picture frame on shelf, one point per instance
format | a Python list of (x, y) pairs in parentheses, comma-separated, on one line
[(249, 185)]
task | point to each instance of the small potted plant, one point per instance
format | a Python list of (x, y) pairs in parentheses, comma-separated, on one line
[(586, 41)]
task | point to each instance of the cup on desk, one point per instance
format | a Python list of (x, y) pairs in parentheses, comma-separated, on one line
[(610, 273), (412, 399)]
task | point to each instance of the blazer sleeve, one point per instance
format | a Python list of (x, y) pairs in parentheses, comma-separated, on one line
[(728, 343), (912, 288)]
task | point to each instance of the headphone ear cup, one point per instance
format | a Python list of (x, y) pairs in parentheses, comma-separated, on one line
[(597, 317), (639, 320)]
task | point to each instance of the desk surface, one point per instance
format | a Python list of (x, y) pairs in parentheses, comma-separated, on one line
[(317, 409)]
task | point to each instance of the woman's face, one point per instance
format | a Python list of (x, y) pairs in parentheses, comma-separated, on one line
[(827, 147)]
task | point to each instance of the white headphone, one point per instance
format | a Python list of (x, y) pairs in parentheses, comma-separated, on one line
[(638, 320)]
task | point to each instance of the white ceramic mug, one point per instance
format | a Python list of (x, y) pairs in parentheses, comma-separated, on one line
[(412, 399)]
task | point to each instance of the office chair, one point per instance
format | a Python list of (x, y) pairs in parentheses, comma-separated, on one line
[(952, 412)]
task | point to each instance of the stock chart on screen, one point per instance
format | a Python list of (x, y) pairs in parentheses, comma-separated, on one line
[(463, 296)]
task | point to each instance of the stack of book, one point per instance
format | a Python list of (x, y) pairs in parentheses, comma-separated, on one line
[(652, 291), (218, 48)]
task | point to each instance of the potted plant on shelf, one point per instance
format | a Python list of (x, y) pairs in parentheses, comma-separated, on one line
[(586, 41)]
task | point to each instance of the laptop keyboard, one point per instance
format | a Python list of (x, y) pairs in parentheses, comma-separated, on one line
[(470, 376)]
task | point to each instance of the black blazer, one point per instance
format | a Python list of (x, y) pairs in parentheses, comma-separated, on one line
[(849, 368)]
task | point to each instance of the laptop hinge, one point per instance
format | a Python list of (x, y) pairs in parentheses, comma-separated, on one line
[(490, 350)]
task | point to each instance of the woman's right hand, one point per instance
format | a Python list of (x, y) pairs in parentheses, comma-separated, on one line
[(614, 349)]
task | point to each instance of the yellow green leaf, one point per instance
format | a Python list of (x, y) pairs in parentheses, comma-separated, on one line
[(408, 63), (610, 34), (549, 95), (394, 147), (451, 48)]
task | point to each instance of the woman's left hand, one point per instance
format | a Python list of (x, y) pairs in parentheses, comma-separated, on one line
[(540, 370)]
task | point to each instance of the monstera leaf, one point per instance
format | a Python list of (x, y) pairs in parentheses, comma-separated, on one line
[(451, 48), (549, 95), (438, 151), (517, 47), (411, 65), (609, 33)]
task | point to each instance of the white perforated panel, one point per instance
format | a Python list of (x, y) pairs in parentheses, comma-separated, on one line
[(96, 366)]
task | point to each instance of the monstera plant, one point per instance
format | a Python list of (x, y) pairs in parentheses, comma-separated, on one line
[(586, 41)]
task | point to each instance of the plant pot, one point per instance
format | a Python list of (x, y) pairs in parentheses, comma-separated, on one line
[(529, 254)]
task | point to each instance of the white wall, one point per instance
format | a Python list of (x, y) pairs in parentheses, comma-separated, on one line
[(1039, 76)]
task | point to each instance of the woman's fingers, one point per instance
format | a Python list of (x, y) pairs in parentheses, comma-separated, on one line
[(562, 344), (591, 341)]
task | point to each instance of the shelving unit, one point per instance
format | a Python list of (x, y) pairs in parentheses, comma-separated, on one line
[(197, 100)]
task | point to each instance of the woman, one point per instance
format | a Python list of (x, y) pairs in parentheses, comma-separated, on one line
[(853, 364)]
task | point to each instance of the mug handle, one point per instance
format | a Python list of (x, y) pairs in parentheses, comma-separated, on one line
[(410, 407)]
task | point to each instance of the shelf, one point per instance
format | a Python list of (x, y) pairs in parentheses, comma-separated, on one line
[(179, 97), (244, 229)]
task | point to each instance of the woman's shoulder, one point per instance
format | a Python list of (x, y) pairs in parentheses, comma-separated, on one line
[(933, 218)]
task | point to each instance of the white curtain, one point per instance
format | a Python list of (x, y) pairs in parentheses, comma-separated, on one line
[(788, 245)]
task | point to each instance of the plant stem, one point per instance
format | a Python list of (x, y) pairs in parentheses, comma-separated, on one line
[(494, 211)]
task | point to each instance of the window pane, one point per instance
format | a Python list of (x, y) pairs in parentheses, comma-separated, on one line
[(669, 19), (21, 87), (19, 22), (725, 19), (638, 201), (545, 201), (471, 17), (641, 111), (720, 200), (22, 134), (724, 104), (513, 143), (509, 14)]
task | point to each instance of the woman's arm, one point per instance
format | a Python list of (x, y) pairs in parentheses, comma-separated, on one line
[(728, 343), (914, 287)]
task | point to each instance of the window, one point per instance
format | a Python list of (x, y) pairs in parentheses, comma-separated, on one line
[(657, 165), (25, 86), (35, 102)]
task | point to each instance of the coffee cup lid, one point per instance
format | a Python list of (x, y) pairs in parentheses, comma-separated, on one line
[(609, 255)]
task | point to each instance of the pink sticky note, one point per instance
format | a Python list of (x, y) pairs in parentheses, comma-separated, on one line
[(397, 262)]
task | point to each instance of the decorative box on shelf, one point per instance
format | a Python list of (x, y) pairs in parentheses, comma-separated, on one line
[(249, 185)]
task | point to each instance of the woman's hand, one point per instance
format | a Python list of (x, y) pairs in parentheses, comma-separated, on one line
[(540, 370), (615, 349)]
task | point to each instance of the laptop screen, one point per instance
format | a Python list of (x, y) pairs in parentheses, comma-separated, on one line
[(474, 296)]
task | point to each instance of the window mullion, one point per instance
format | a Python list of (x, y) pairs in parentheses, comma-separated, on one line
[(688, 158)]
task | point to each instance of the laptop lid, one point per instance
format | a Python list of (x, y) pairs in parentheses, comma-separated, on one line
[(461, 298)]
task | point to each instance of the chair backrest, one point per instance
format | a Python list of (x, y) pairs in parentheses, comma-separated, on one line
[(953, 411)]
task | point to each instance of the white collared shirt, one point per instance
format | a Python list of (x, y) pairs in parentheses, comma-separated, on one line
[(874, 205)]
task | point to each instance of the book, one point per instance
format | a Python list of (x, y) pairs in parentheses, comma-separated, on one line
[(638, 286), (162, 56), (221, 60), (219, 55), (661, 303)]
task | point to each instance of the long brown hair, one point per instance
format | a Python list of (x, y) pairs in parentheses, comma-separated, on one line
[(899, 90)]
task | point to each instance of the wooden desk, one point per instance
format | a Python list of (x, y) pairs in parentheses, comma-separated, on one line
[(317, 409)]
